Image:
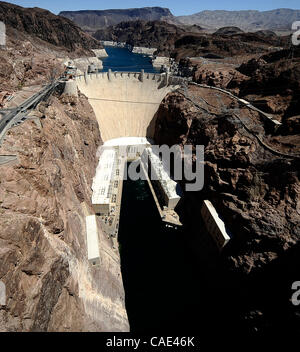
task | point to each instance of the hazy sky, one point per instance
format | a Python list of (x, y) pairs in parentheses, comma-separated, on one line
[(178, 7)]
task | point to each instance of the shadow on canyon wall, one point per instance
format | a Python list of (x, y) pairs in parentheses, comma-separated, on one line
[(176, 281)]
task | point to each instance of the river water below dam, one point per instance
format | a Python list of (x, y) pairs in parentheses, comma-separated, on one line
[(156, 271), (121, 59)]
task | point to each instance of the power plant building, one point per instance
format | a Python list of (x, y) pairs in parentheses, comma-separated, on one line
[(92, 238), (102, 183), (214, 224), (169, 189)]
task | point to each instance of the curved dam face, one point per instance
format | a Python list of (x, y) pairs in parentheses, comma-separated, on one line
[(125, 103)]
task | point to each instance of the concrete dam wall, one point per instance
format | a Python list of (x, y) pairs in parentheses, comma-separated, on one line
[(125, 103)]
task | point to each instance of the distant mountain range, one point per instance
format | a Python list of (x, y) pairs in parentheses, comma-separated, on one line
[(252, 20), (94, 19)]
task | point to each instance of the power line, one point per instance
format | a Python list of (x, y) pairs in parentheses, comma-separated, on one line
[(253, 102), (224, 110)]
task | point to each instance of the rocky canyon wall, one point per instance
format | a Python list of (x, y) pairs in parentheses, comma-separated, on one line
[(247, 287), (44, 200)]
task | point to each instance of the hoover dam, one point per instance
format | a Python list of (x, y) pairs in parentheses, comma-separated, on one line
[(125, 103)]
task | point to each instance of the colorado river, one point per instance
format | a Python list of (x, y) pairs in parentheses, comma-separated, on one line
[(156, 272)]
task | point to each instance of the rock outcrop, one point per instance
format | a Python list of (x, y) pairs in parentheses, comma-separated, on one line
[(38, 44), (23, 62), (273, 82), (228, 30), (153, 34), (216, 74), (269, 81), (186, 41), (46, 26), (226, 45)]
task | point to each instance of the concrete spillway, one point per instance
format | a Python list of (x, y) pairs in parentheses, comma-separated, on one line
[(125, 103)]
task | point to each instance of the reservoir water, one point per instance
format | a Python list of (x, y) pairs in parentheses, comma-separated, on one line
[(121, 59)]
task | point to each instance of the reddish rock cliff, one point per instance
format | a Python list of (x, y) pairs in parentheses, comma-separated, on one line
[(44, 200)]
